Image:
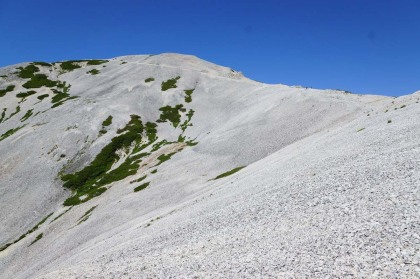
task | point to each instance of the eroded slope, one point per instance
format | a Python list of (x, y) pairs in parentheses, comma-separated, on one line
[(135, 139)]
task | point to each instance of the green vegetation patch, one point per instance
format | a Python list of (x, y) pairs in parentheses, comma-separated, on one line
[(38, 237), (170, 83), (36, 80), (86, 215), (151, 131), (93, 72), (187, 123), (24, 95), (235, 170), (3, 115), (4, 247), (28, 71), (188, 94), (135, 125), (9, 88), (171, 114), (150, 79), (191, 143), (14, 113), (141, 187), (69, 66), (96, 62), (39, 80), (107, 121), (61, 97), (89, 181), (164, 157), (43, 96), (40, 223), (10, 132), (159, 144), (28, 114), (138, 179), (60, 215), (105, 124), (45, 64)]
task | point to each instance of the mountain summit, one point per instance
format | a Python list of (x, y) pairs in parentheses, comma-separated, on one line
[(170, 166)]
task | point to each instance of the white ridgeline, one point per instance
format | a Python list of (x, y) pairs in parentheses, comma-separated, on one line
[(329, 188)]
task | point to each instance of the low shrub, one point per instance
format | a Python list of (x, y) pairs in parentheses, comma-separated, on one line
[(69, 66), (188, 94), (141, 187), (170, 83), (9, 88), (10, 132), (171, 114), (164, 157), (27, 115), (93, 72), (39, 80), (43, 96), (24, 95), (235, 170), (96, 62), (38, 237), (107, 121), (90, 179)]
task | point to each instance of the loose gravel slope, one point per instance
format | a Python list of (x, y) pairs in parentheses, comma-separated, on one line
[(329, 188)]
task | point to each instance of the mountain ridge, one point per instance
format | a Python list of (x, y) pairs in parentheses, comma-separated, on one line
[(227, 121)]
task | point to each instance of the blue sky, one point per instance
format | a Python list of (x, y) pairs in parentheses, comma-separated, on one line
[(359, 46)]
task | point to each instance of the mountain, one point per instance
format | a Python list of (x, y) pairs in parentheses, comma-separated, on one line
[(169, 166)]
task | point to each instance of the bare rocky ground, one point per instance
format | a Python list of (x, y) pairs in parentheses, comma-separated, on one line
[(330, 187)]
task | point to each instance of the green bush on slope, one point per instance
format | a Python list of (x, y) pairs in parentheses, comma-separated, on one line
[(171, 114), (9, 88), (28, 71), (170, 83), (4, 247), (89, 180), (39, 80), (235, 170), (93, 72), (141, 187), (10, 132), (188, 94)]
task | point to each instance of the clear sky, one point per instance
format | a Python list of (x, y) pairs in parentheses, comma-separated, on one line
[(363, 46)]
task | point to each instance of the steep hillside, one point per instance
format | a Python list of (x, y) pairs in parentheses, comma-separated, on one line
[(168, 165)]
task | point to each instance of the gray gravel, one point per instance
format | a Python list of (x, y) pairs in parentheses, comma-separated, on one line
[(328, 191)]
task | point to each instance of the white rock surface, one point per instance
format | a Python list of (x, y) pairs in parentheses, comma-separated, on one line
[(330, 188)]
